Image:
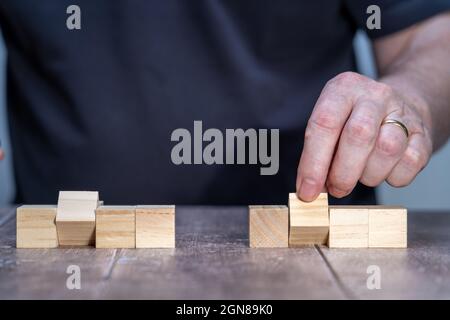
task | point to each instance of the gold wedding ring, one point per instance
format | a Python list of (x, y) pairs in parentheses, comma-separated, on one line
[(398, 124)]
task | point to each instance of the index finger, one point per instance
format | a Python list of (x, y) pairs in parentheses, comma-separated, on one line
[(321, 136)]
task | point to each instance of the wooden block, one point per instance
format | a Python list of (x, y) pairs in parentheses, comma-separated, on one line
[(268, 226), (115, 227), (309, 221), (36, 227), (155, 227), (349, 227), (387, 227), (75, 218)]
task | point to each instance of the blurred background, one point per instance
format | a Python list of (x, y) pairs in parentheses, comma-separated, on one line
[(429, 191)]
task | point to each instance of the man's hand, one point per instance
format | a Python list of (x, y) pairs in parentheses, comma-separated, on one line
[(346, 142)]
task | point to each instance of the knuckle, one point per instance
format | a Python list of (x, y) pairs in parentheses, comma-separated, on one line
[(324, 121), (382, 90), (361, 131), (390, 146), (415, 160), (346, 78)]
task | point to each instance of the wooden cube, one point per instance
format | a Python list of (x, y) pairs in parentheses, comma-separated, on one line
[(75, 218), (36, 227), (115, 227), (268, 226), (309, 221), (349, 227), (155, 227), (387, 227)]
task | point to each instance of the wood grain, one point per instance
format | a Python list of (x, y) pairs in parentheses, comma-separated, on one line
[(77, 205), (155, 226), (268, 226), (115, 227), (75, 218), (387, 227), (36, 227), (309, 221), (76, 233), (213, 261), (349, 227)]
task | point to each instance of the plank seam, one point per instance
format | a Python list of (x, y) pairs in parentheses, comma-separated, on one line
[(6, 218), (111, 265), (345, 291)]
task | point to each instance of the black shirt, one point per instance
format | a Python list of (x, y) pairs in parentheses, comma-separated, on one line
[(94, 109)]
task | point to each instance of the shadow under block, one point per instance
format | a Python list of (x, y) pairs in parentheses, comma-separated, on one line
[(155, 227), (75, 218), (349, 227), (309, 221), (36, 227), (268, 226), (115, 227), (387, 227)]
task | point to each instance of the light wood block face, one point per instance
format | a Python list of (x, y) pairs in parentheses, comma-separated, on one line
[(268, 226), (387, 227), (349, 227), (155, 227), (115, 227), (36, 227), (77, 205), (309, 221), (75, 218), (76, 233)]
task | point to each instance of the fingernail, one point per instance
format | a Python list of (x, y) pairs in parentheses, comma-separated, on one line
[(339, 193), (307, 191)]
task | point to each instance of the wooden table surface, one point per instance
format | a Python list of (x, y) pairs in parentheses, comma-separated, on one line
[(213, 261)]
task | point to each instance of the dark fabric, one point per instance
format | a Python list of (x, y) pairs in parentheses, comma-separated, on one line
[(94, 109)]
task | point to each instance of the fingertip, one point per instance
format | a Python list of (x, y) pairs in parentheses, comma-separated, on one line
[(337, 193)]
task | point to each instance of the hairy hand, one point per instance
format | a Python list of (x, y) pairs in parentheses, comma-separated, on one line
[(346, 141)]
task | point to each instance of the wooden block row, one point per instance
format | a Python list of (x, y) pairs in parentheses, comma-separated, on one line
[(316, 223), (50, 226), (135, 227), (368, 227), (78, 220)]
